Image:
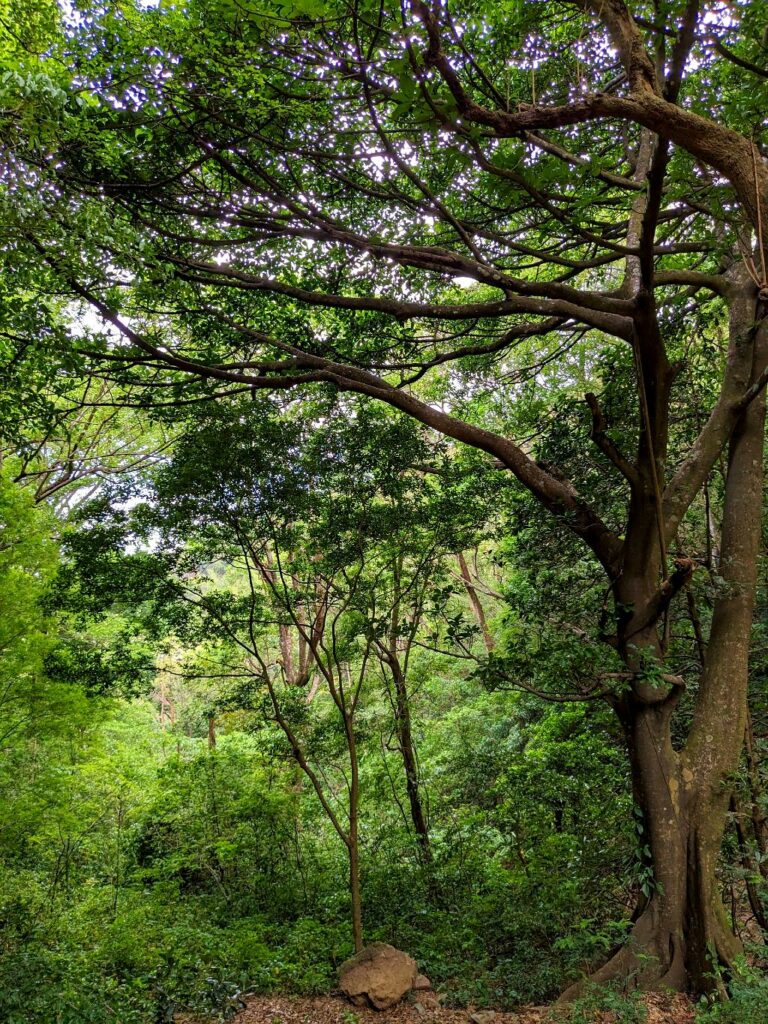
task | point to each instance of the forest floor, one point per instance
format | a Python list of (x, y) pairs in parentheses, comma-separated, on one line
[(662, 1009)]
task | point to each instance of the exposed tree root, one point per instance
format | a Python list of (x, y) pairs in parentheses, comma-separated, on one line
[(657, 958)]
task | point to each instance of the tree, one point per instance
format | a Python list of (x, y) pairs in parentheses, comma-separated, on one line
[(323, 179), (87, 440), (292, 583)]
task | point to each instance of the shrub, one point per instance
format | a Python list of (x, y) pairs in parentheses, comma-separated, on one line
[(748, 991)]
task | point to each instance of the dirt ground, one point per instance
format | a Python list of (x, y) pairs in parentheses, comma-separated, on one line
[(662, 1009)]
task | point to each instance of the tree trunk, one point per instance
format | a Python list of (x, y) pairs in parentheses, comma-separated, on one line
[(410, 763), (353, 849), (401, 707), (477, 606), (353, 840), (683, 936)]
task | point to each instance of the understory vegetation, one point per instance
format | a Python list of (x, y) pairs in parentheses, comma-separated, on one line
[(161, 850), (160, 847)]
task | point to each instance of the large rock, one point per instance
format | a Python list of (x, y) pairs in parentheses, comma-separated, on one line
[(378, 976)]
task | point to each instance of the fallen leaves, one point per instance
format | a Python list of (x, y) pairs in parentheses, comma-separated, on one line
[(662, 1008)]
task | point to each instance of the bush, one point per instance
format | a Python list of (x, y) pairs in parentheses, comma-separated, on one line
[(748, 991)]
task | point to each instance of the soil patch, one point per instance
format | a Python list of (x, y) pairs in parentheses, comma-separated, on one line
[(662, 1009)]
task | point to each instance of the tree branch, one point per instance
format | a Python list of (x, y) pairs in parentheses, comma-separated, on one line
[(606, 445)]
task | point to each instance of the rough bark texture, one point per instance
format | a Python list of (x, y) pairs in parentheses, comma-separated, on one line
[(683, 935)]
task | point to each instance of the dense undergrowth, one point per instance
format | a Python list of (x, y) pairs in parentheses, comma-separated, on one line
[(189, 876), (161, 875), (145, 869)]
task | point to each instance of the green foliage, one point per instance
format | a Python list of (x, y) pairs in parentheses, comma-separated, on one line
[(184, 874), (748, 998), (611, 1003), (27, 559), (149, 887)]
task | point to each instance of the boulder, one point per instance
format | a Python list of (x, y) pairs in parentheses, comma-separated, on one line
[(421, 983), (378, 976)]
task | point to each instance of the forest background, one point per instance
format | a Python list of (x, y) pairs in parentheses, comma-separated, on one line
[(381, 502)]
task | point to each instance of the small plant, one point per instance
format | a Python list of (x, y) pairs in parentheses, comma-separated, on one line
[(748, 991), (622, 1007)]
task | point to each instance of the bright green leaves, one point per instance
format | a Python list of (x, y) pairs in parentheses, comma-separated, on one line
[(27, 559), (33, 92), (31, 107)]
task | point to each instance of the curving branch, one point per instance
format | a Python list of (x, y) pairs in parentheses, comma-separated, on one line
[(607, 446)]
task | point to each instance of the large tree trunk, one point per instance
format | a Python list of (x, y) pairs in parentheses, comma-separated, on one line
[(682, 934)]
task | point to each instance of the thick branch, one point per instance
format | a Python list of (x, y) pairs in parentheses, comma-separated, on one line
[(589, 308), (557, 495), (660, 601), (722, 148), (694, 470)]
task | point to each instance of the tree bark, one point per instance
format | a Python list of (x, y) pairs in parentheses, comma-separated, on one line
[(683, 937), (410, 763), (353, 842)]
